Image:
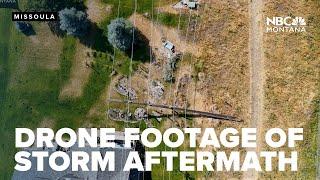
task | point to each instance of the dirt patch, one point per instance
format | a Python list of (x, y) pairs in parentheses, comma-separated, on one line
[(44, 47), (97, 10), (168, 9), (34, 39), (47, 123), (41, 51), (80, 73), (257, 75)]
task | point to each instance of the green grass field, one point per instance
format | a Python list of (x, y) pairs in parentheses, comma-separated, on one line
[(310, 147), (35, 96), (7, 137), (30, 93), (147, 7), (308, 155)]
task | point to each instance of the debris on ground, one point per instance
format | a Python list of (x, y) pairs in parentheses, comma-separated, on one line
[(144, 71), (184, 4), (170, 67), (178, 5), (122, 88), (181, 98), (156, 89), (140, 114), (119, 115)]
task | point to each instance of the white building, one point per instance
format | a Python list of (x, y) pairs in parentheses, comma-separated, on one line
[(169, 46)]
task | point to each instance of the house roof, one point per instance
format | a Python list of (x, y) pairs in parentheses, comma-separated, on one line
[(168, 45), (192, 4), (185, 1)]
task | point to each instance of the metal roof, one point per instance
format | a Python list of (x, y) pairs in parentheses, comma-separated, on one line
[(192, 4), (168, 45)]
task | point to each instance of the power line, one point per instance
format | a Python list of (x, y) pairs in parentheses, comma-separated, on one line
[(175, 108)]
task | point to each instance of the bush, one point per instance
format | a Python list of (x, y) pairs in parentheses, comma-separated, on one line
[(38, 5), (73, 22), (120, 33)]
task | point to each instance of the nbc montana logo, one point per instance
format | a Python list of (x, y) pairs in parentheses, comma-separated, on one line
[(286, 24)]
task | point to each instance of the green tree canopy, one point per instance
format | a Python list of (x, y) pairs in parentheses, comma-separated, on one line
[(120, 32), (74, 22)]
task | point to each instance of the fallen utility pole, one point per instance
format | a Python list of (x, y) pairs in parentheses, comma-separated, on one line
[(174, 109)]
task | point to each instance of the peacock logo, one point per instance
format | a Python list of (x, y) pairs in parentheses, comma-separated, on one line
[(298, 21)]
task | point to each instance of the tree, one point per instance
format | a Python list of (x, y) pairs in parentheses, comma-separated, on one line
[(120, 33), (73, 22), (38, 5)]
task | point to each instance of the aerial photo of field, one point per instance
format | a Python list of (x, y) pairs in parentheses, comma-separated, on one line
[(153, 63)]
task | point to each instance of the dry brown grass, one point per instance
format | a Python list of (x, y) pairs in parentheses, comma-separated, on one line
[(225, 88), (42, 52), (168, 9), (47, 123), (292, 72), (45, 45), (155, 33), (97, 10)]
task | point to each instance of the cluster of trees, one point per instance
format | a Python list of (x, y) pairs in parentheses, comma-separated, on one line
[(72, 17), (170, 67), (73, 21), (119, 33)]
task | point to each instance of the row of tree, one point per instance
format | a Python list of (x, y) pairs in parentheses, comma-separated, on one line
[(119, 31), (74, 21)]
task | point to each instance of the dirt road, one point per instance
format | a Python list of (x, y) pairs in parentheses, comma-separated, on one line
[(256, 72)]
